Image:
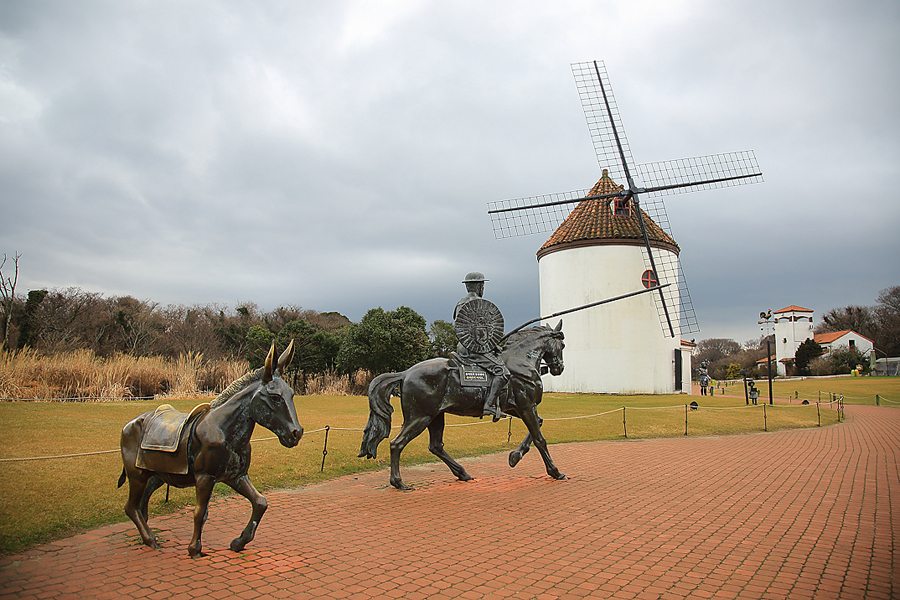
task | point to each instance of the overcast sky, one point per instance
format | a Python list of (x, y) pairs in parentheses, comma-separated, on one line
[(340, 155)]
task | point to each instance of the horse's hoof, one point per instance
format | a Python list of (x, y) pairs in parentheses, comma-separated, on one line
[(464, 477), (514, 457), (152, 544), (560, 477), (194, 552), (401, 486), (237, 545)]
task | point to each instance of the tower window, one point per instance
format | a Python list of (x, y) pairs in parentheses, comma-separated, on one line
[(622, 207)]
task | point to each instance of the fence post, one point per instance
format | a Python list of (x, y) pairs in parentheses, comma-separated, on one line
[(325, 448), (685, 418), (765, 419), (877, 400), (624, 428), (509, 433), (818, 415)]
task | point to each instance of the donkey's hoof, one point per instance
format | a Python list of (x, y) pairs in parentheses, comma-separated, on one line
[(464, 476), (560, 477), (237, 545), (400, 485), (514, 457)]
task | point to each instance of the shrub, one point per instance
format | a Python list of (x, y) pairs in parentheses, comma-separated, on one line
[(821, 366)]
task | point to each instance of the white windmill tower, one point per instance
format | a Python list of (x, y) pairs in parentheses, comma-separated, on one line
[(608, 245)]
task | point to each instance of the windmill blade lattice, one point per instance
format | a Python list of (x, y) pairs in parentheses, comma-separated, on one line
[(614, 154), (537, 214), (605, 125), (698, 173)]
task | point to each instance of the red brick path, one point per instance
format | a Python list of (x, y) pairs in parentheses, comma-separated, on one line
[(794, 514)]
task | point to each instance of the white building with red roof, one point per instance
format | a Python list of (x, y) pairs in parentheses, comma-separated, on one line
[(847, 338), (794, 325)]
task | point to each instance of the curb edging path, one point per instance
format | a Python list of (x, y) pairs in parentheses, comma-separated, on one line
[(800, 514)]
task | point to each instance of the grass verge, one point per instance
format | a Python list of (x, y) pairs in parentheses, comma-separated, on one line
[(856, 390)]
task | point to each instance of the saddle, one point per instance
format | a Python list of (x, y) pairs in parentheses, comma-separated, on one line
[(164, 445), (470, 374)]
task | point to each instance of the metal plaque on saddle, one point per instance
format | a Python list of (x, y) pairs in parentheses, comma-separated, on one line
[(161, 448), (473, 376), (479, 325)]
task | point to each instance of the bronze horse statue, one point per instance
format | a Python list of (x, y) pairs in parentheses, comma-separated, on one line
[(208, 446), (430, 389)]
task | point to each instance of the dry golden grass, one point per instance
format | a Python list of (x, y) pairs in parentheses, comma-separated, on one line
[(45, 499), (81, 374)]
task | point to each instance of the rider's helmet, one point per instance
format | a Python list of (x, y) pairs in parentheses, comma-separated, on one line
[(474, 277)]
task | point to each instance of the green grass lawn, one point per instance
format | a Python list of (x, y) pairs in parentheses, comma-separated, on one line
[(45, 499), (856, 390)]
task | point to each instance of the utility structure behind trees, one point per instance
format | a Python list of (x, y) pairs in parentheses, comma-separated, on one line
[(8, 293), (606, 244)]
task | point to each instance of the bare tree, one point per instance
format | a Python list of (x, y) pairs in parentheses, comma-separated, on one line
[(140, 324), (860, 319), (887, 313), (8, 293), (70, 319), (715, 349)]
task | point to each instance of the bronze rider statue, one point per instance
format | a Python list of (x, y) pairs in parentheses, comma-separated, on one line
[(489, 360)]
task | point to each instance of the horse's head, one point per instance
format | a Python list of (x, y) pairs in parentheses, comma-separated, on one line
[(553, 349), (272, 405)]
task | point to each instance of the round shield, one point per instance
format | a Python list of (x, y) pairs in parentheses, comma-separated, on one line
[(479, 325)]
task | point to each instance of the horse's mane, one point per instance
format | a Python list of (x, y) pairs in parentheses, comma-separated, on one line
[(236, 386), (524, 335)]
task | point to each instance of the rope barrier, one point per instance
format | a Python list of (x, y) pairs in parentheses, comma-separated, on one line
[(327, 428), (80, 399), (59, 456)]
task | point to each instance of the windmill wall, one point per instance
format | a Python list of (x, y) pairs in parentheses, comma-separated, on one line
[(618, 348)]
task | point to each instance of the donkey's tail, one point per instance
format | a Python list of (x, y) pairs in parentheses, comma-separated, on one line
[(122, 478), (380, 409)]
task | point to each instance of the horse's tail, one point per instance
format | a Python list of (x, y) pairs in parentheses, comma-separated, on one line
[(122, 478), (380, 409)]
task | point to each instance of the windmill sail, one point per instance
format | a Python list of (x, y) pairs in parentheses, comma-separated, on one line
[(643, 184)]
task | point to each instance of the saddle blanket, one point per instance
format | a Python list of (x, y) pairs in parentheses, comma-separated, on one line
[(163, 432), (470, 375)]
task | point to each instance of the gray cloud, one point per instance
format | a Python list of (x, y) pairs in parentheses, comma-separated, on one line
[(340, 156)]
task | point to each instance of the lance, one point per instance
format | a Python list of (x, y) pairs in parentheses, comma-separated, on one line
[(577, 308)]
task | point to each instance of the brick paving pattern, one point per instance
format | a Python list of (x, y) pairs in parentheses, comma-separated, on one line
[(792, 514)]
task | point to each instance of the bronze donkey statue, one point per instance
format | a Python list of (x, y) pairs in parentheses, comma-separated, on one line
[(210, 445)]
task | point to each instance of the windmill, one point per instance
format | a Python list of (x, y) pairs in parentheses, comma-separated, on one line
[(643, 183)]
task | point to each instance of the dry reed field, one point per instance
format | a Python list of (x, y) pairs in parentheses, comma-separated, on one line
[(53, 497), (81, 374)]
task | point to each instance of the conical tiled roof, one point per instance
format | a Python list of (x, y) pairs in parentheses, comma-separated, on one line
[(594, 222)]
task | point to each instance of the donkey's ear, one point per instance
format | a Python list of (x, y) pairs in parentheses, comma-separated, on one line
[(559, 327), (286, 357), (270, 360)]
